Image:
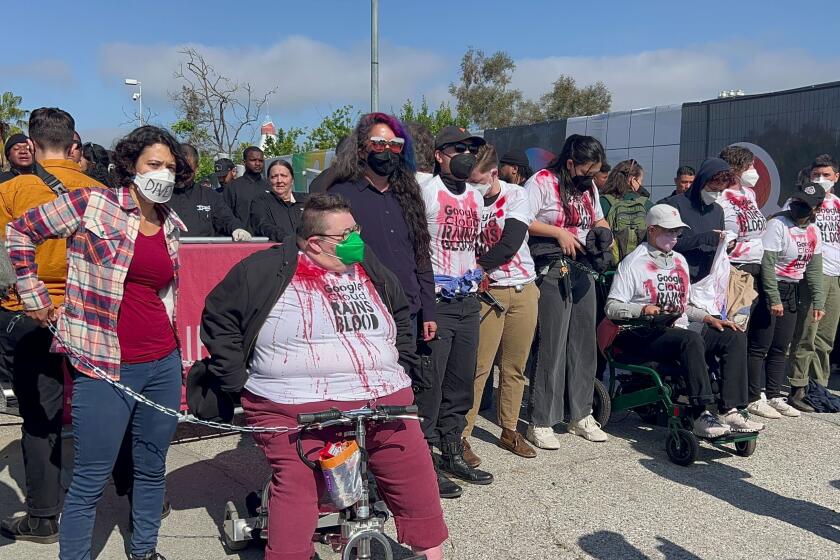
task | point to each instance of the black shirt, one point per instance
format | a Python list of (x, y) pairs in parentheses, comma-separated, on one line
[(203, 212), (274, 218), (241, 192), (386, 232)]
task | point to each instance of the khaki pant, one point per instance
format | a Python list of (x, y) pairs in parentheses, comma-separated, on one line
[(509, 333), (814, 340)]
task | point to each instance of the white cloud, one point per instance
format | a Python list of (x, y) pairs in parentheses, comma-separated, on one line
[(308, 74), (680, 75)]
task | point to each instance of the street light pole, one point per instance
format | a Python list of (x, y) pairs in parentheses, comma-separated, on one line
[(374, 55)]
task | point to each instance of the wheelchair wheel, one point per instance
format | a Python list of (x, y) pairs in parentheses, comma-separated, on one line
[(601, 404), (745, 448), (231, 517), (682, 447)]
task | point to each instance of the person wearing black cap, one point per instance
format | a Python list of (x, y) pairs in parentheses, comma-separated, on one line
[(514, 167), (224, 172), (241, 192), (444, 388), (202, 210), (792, 251), (20, 157)]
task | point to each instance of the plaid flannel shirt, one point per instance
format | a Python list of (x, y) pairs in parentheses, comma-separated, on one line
[(102, 226)]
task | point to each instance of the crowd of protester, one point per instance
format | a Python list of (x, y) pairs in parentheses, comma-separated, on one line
[(415, 265)]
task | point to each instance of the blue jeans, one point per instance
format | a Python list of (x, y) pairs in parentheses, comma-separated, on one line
[(101, 415)]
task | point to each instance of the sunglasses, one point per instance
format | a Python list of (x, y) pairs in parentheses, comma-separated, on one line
[(357, 229), (378, 145), (462, 148)]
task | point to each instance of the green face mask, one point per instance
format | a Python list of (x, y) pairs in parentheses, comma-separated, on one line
[(351, 250)]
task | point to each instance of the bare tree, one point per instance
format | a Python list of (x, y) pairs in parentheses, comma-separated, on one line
[(225, 109)]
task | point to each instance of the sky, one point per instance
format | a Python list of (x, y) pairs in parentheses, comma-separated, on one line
[(317, 53)]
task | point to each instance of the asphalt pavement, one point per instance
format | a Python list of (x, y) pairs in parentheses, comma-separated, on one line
[(621, 499)]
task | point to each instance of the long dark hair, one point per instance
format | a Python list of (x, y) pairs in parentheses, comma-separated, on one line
[(580, 149), (618, 181), (350, 165)]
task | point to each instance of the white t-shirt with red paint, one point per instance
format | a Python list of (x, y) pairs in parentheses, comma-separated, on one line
[(328, 337), (742, 217), (585, 209), (454, 225), (795, 245), (828, 220), (641, 280), (511, 204)]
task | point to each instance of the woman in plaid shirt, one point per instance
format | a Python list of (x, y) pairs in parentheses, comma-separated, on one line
[(122, 254)]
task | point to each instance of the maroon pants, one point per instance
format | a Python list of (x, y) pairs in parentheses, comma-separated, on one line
[(399, 459)]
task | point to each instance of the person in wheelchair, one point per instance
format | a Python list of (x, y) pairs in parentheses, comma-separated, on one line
[(653, 282), (312, 324)]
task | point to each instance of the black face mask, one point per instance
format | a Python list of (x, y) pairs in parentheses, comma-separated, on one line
[(799, 211), (461, 166), (383, 163), (582, 183)]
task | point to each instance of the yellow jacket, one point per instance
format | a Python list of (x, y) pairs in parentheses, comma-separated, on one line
[(28, 191)]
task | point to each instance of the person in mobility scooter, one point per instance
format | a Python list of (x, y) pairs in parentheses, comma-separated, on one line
[(652, 284), (315, 324)]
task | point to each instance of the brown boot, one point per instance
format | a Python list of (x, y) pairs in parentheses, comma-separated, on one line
[(516, 444), (469, 455)]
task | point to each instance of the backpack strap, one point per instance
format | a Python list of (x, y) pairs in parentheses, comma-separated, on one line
[(56, 186)]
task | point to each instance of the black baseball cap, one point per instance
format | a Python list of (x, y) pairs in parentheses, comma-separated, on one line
[(222, 166), (455, 134), (811, 194), (515, 157)]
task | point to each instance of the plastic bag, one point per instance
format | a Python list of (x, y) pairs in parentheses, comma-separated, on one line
[(709, 294), (340, 466)]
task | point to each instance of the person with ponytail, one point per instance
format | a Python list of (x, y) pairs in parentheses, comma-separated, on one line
[(566, 206)]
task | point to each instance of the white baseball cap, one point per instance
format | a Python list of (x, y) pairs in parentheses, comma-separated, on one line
[(664, 216)]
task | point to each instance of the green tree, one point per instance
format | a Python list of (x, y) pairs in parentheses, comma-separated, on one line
[(433, 120), (482, 93), (13, 118), (566, 99), (288, 142), (335, 126)]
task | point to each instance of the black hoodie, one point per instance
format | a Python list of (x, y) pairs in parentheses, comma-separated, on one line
[(203, 211), (698, 244)]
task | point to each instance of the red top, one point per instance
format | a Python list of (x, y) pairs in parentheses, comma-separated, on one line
[(143, 327)]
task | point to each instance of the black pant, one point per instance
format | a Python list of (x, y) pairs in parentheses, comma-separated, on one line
[(444, 388), (38, 382), (729, 349), (671, 346), (769, 339)]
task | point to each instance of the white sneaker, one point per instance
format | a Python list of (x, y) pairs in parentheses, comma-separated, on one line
[(762, 408), (781, 405), (588, 428), (708, 426), (542, 436), (739, 421)]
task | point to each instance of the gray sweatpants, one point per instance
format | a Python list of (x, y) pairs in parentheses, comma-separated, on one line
[(566, 349)]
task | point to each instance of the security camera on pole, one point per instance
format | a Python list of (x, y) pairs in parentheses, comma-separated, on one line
[(137, 95)]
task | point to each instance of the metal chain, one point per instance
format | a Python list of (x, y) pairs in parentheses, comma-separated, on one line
[(188, 418)]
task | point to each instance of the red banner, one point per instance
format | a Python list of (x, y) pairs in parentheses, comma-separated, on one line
[(203, 266)]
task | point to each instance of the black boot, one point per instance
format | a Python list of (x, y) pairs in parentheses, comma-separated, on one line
[(452, 462), (796, 399), (148, 556), (446, 488), (41, 530)]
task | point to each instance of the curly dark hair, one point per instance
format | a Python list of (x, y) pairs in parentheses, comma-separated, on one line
[(738, 158), (424, 146), (132, 145), (351, 165)]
